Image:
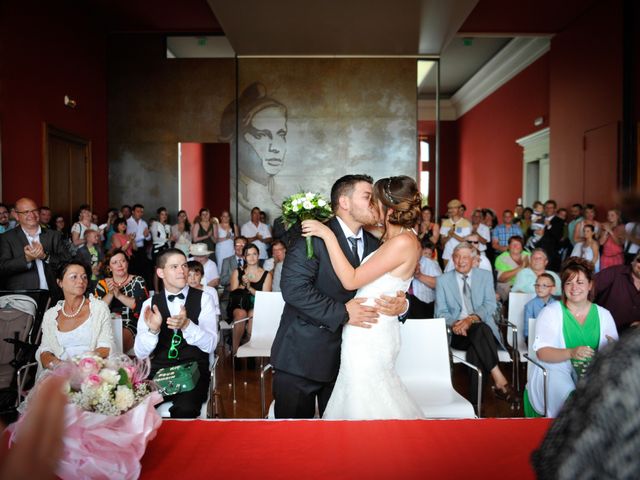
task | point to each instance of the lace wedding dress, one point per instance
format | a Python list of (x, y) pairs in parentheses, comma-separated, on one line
[(368, 387)]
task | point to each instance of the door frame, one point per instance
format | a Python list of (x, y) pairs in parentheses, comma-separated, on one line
[(50, 130)]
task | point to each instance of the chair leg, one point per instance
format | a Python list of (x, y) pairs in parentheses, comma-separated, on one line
[(262, 389), (233, 376)]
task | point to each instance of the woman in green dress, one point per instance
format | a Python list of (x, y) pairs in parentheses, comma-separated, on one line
[(567, 336)]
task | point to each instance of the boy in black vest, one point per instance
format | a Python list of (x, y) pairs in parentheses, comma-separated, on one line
[(178, 326)]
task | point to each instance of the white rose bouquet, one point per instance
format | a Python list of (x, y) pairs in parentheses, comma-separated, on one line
[(305, 206), (110, 417)]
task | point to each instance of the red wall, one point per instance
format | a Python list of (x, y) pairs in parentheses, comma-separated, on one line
[(585, 93), (490, 170), (49, 50), (204, 177), (449, 163)]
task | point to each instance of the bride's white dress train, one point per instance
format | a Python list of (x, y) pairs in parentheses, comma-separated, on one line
[(368, 387)]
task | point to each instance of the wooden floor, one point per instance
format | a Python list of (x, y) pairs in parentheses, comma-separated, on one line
[(247, 403)]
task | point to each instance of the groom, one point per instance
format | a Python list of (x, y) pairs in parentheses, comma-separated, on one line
[(306, 350)]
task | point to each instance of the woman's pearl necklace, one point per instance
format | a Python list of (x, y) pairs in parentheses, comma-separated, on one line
[(74, 314)]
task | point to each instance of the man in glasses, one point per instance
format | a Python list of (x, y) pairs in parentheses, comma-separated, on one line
[(29, 255), (177, 326)]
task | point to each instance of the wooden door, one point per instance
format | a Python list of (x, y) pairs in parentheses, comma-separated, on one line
[(601, 146), (67, 173)]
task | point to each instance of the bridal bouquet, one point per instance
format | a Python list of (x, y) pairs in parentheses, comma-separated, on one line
[(305, 206), (110, 417)]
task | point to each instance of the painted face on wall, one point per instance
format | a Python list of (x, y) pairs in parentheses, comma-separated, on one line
[(267, 135)]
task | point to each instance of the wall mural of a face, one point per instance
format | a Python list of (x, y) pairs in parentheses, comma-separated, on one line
[(267, 135)]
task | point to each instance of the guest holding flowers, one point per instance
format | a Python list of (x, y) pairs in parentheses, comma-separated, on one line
[(123, 293), (76, 324)]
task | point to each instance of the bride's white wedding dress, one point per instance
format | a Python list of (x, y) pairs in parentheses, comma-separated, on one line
[(368, 387)]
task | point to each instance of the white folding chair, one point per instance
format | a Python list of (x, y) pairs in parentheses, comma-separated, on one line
[(515, 329), (423, 365), (532, 358), (116, 324), (267, 311)]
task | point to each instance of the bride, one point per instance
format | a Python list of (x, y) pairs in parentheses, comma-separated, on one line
[(368, 386)]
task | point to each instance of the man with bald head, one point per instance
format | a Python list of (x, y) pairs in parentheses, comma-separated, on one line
[(30, 255)]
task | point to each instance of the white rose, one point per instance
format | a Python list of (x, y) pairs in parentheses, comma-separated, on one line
[(307, 205), (321, 203), (124, 397), (309, 196), (295, 208), (110, 376)]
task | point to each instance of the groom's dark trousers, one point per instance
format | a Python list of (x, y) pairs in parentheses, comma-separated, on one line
[(306, 350)]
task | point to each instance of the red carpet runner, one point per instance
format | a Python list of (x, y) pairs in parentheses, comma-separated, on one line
[(498, 448)]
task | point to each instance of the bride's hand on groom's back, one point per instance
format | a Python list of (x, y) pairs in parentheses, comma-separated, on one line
[(361, 315)]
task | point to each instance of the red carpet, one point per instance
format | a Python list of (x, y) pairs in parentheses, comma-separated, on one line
[(484, 448)]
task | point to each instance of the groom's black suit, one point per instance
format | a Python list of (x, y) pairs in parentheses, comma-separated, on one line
[(306, 349)]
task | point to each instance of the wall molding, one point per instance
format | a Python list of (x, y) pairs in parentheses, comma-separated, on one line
[(517, 55)]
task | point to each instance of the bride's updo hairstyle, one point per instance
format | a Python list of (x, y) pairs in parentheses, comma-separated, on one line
[(402, 195)]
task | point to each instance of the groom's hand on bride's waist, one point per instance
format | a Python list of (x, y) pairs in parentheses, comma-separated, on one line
[(392, 306), (361, 315)]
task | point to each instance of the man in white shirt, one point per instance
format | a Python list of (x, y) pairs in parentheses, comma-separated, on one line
[(257, 233), (480, 229), (140, 263), (177, 326)]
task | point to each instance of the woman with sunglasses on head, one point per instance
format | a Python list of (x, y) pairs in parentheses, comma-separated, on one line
[(567, 336), (245, 282), (75, 325)]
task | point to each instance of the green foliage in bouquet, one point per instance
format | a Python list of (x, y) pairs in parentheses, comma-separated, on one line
[(305, 206)]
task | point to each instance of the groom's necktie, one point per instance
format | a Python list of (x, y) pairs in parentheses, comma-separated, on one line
[(354, 248), (466, 294)]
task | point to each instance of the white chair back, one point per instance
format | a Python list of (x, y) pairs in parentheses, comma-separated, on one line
[(531, 351), (116, 325), (517, 301), (267, 311)]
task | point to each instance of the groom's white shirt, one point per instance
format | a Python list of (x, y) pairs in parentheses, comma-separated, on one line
[(348, 233)]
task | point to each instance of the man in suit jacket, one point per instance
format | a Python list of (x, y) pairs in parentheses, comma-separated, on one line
[(306, 350), (552, 233), (466, 299), (29, 255)]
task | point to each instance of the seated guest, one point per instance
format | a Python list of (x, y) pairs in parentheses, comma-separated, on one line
[(120, 240), (4, 218), (526, 278), (203, 230), (123, 293), (589, 248), (92, 256), (74, 325), (465, 298), (177, 326), (244, 284), (194, 280), (274, 263), (545, 285), (612, 239), (618, 290), (503, 232), (83, 224), (229, 265), (454, 229), (201, 254), (421, 301), (181, 233), (568, 334), (257, 233), (509, 264), (29, 255)]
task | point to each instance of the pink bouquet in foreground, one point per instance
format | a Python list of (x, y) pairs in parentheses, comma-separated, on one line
[(110, 417)]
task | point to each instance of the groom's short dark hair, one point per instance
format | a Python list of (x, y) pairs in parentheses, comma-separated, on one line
[(345, 186)]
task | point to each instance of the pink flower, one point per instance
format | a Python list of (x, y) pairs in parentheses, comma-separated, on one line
[(131, 371), (94, 380), (89, 365)]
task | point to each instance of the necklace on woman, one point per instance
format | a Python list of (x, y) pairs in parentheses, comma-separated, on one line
[(120, 284), (74, 314), (578, 312)]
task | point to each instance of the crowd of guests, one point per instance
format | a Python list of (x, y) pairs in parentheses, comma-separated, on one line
[(166, 282), (585, 275)]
